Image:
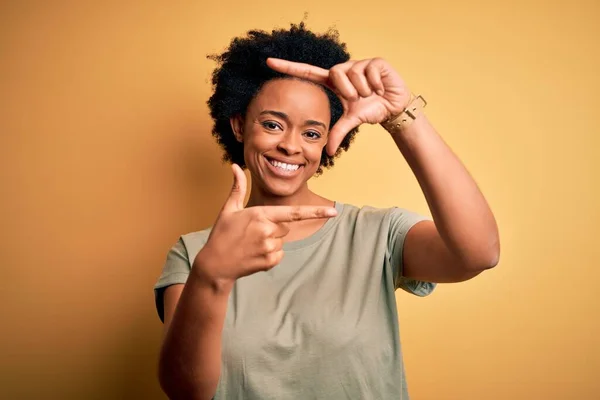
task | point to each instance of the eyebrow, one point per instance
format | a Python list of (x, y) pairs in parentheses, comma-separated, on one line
[(282, 115)]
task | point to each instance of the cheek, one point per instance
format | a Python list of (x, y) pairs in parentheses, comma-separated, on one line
[(257, 141), (313, 153)]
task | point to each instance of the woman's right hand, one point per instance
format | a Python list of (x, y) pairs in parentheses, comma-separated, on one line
[(248, 240)]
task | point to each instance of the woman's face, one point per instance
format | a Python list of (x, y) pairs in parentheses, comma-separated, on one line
[(284, 133)]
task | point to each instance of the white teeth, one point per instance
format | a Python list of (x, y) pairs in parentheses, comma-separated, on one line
[(289, 167)]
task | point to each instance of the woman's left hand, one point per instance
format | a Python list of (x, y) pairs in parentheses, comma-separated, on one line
[(370, 91)]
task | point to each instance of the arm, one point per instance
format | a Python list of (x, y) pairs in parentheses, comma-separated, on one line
[(190, 357), (463, 239)]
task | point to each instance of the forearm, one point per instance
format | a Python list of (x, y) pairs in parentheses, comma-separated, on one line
[(459, 209), (190, 360)]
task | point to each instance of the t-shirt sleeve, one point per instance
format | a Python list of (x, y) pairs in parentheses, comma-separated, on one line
[(401, 221), (175, 270)]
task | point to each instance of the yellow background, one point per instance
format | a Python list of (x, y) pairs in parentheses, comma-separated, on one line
[(106, 157)]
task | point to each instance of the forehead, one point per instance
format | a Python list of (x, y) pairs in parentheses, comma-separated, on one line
[(294, 97)]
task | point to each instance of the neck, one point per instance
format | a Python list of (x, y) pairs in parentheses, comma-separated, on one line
[(303, 197)]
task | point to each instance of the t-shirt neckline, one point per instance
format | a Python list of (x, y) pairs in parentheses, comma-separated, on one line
[(315, 237)]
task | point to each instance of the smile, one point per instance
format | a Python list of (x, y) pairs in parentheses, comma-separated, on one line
[(283, 169)]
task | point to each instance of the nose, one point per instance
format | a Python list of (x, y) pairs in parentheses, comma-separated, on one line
[(290, 143)]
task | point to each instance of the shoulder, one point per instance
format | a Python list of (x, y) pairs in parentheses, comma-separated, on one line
[(391, 223), (371, 214), (196, 236), (192, 242), (364, 211)]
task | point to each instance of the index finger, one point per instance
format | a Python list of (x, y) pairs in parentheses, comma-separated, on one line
[(299, 70), (297, 213)]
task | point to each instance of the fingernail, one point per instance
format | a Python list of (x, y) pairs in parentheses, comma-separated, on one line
[(331, 212), (380, 92)]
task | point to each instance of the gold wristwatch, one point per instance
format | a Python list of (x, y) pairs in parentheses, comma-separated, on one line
[(406, 117)]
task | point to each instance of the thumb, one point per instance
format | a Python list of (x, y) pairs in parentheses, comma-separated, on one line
[(235, 201), (339, 131)]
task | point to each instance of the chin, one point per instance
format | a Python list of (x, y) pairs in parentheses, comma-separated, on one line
[(280, 189)]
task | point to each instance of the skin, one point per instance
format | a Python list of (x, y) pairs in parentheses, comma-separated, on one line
[(460, 242), (288, 121), (463, 240)]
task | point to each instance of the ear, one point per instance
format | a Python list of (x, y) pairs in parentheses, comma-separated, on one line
[(237, 126)]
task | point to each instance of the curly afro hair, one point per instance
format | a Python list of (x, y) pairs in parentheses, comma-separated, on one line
[(242, 70)]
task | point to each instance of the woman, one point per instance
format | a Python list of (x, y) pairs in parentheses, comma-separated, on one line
[(291, 296)]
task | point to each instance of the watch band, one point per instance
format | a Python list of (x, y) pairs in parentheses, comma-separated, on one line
[(406, 117)]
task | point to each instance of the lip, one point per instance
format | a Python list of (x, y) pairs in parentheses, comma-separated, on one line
[(283, 160), (281, 173)]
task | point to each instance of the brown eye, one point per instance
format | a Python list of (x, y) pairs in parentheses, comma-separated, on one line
[(271, 125), (313, 135)]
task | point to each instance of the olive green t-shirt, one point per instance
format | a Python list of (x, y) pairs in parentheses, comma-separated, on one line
[(323, 323)]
